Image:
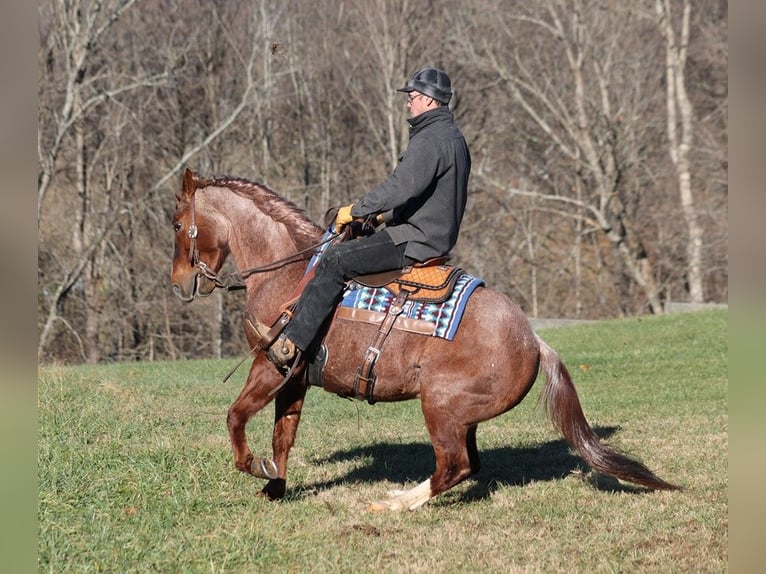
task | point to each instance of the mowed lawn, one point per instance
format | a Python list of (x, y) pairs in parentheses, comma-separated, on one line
[(135, 470)]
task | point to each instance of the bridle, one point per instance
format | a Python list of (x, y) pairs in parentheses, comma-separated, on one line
[(194, 259), (236, 279)]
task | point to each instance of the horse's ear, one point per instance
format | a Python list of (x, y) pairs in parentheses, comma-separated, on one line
[(189, 183)]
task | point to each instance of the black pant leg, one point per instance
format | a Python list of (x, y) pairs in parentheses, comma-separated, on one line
[(338, 264)]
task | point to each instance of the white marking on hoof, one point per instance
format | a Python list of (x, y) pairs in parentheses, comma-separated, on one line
[(409, 499), (382, 506)]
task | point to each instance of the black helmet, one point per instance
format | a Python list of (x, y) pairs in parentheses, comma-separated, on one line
[(431, 82)]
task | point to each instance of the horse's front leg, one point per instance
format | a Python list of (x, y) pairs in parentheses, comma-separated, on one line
[(253, 397), (287, 416)]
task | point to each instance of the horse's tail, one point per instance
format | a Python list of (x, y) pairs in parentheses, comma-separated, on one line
[(563, 406)]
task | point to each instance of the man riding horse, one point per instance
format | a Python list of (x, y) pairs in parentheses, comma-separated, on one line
[(421, 204)]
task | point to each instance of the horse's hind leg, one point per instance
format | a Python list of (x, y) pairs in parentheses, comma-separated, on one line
[(457, 458)]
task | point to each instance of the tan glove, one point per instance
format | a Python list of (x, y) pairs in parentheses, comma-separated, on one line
[(343, 218)]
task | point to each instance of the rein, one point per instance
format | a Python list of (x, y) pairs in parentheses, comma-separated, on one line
[(302, 255), (236, 279)]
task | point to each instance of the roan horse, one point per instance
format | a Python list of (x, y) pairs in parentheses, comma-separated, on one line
[(486, 370)]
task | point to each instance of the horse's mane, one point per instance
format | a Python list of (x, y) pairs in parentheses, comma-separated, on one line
[(269, 202)]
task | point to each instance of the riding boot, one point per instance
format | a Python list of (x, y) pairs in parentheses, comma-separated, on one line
[(280, 351)]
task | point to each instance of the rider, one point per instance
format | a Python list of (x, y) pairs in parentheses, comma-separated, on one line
[(427, 193)]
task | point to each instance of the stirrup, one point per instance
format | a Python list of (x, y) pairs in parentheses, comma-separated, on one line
[(296, 365), (267, 335), (282, 351), (267, 344)]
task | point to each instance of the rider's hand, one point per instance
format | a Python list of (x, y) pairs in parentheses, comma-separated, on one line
[(343, 218)]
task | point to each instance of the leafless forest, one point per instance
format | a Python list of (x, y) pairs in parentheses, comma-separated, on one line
[(598, 130)]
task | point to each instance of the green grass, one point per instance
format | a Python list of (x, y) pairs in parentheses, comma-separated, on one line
[(136, 474)]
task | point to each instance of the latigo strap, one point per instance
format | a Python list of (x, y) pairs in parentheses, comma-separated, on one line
[(364, 382)]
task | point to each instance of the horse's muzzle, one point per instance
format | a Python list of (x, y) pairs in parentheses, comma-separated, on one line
[(192, 286), (185, 297), (185, 285)]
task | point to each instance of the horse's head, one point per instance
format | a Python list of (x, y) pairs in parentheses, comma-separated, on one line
[(201, 246)]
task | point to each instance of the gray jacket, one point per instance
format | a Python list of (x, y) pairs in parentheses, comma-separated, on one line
[(428, 189)]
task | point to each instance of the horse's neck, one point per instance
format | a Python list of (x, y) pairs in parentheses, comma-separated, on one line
[(256, 240), (259, 240)]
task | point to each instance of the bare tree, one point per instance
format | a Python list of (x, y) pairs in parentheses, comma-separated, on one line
[(82, 62), (680, 125), (385, 36), (561, 65), (74, 34), (574, 198)]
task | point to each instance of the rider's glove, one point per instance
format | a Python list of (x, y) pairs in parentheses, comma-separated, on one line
[(343, 218)]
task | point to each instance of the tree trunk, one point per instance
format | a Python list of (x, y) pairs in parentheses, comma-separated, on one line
[(681, 118)]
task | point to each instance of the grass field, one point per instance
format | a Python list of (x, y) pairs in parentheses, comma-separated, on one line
[(136, 475)]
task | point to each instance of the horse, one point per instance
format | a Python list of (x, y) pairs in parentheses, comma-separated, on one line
[(484, 371)]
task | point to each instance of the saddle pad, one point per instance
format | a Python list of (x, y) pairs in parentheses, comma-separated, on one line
[(370, 304)]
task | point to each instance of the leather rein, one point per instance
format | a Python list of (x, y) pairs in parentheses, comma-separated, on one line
[(236, 279)]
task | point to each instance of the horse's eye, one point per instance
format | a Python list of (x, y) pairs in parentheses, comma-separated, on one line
[(177, 226)]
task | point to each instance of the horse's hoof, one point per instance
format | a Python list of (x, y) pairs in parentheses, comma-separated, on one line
[(267, 496), (404, 499), (384, 506), (379, 506), (264, 468), (274, 489)]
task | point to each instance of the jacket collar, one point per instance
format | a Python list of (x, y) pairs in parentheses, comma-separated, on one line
[(427, 118)]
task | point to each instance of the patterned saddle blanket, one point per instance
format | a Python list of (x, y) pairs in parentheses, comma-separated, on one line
[(371, 304)]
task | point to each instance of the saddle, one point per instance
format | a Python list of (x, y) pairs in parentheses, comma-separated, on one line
[(431, 281)]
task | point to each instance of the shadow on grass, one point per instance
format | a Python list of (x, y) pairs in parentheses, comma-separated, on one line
[(505, 466)]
